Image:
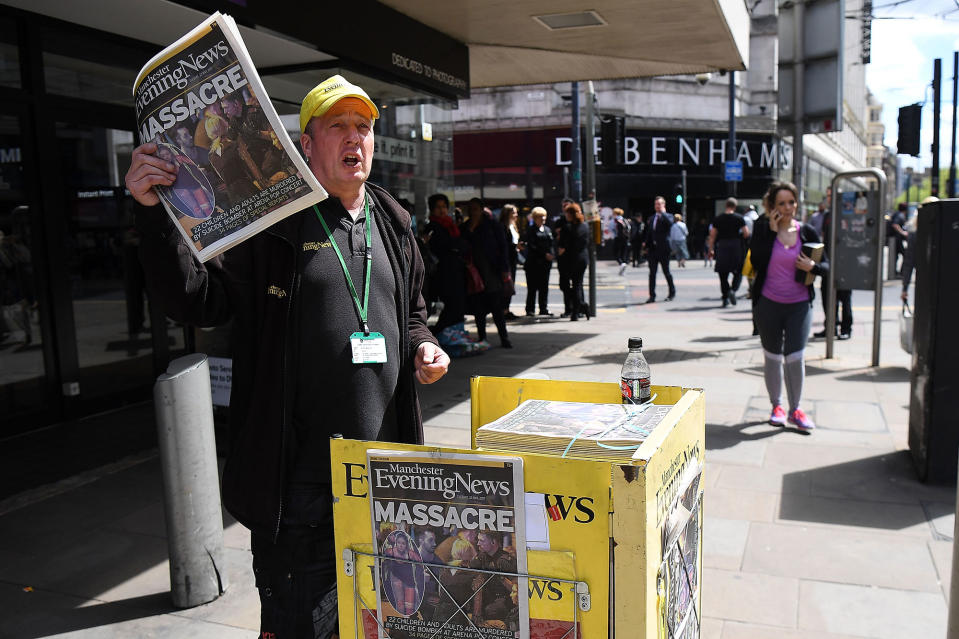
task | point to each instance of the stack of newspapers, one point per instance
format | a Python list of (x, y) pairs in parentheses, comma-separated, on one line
[(610, 432)]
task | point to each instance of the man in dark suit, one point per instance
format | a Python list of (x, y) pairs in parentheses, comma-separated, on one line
[(657, 247)]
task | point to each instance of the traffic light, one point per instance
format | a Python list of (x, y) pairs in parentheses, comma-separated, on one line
[(612, 130), (910, 118), (679, 196)]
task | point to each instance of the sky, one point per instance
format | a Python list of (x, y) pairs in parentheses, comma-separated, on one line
[(906, 37)]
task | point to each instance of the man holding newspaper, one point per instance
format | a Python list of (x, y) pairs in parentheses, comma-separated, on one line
[(329, 331)]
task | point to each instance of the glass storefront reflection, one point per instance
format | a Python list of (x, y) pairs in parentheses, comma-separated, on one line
[(114, 345), (9, 55), (21, 355), (414, 152)]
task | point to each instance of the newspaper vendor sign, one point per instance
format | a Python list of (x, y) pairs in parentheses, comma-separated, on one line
[(201, 101), (455, 524)]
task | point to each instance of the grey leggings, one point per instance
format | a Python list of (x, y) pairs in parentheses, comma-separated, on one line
[(783, 331)]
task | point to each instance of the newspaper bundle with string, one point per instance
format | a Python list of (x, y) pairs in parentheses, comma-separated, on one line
[(203, 104), (609, 432)]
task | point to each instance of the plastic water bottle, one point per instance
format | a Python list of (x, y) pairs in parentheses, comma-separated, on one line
[(634, 380)]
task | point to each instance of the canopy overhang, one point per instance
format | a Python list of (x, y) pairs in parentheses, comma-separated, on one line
[(508, 45), (509, 42)]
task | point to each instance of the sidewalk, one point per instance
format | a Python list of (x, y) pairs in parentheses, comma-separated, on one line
[(825, 535)]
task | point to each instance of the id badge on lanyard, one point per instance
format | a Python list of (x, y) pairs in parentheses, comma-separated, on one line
[(367, 347)]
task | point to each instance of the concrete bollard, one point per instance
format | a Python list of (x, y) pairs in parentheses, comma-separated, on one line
[(191, 489)]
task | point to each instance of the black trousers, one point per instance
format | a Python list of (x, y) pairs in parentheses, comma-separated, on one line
[(537, 286), (296, 576), (724, 285), (844, 300), (577, 300), (564, 283), (454, 307), (489, 303), (621, 247), (637, 252), (656, 260)]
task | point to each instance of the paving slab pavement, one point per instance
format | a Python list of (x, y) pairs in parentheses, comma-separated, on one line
[(825, 535)]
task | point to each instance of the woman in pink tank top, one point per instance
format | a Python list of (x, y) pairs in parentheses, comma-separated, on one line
[(782, 306)]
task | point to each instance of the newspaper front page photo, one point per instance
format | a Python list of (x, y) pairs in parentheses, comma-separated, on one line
[(455, 525), (201, 101)]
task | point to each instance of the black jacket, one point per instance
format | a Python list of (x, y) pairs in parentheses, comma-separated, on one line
[(574, 241), (254, 284), (489, 250), (657, 239), (539, 242), (761, 250), (451, 253)]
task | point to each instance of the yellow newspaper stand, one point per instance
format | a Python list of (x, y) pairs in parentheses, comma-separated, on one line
[(624, 556)]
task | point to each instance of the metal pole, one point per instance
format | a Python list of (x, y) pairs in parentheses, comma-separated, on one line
[(590, 143), (731, 152), (191, 488), (799, 112), (591, 190), (685, 197), (577, 157), (951, 190), (831, 276), (877, 293), (936, 116)]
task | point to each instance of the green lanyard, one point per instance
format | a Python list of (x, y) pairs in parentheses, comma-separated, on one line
[(362, 309)]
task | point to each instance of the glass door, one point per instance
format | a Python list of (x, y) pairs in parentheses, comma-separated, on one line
[(22, 370), (107, 288)]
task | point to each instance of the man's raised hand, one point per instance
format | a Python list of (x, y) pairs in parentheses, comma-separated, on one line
[(147, 170)]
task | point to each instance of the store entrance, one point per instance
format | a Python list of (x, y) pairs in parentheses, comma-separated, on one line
[(22, 371), (114, 335)]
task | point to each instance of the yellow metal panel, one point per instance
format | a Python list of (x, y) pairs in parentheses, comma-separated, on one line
[(578, 489), (642, 496), (595, 500)]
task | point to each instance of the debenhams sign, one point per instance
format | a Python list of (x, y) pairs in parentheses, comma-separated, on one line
[(689, 151)]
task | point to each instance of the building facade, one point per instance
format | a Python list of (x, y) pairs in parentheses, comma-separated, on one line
[(513, 143)]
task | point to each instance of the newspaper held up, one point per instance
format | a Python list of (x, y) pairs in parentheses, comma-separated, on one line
[(202, 102), (456, 525)]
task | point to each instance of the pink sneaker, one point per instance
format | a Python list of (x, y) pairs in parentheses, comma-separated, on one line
[(778, 416), (799, 419)]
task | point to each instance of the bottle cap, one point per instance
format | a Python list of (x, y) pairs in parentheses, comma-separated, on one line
[(635, 342)]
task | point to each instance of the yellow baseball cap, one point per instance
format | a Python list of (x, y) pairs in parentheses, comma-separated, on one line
[(326, 94)]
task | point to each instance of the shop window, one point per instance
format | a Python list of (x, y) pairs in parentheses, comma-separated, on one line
[(508, 184), (413, 156), (22, 371), (107, 283), (9, 55), (467, 185)]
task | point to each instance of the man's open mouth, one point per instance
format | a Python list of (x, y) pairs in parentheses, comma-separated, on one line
[(351, 160)]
